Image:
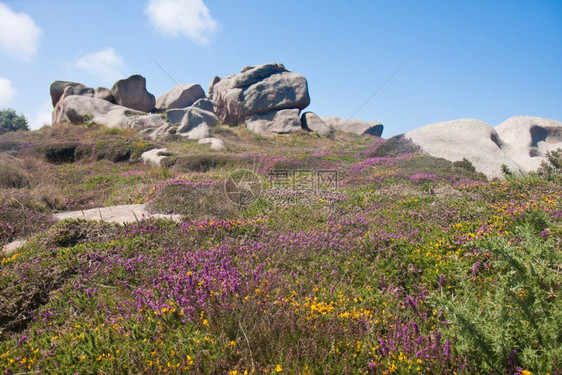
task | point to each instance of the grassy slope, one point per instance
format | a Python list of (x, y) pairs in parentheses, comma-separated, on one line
[(414, 265)]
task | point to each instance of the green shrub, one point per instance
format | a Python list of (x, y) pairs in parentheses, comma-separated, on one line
[(10, 121), (518, 322), (552, 167), (464, 165)]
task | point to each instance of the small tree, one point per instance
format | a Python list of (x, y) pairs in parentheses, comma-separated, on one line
[(551, 168), (10, 121)]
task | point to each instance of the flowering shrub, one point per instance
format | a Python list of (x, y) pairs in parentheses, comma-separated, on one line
[(19, 222), (379, 276)]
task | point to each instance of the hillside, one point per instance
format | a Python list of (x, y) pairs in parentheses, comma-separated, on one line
[(346, 254)]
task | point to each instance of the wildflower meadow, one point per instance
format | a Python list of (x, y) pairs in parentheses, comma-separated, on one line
[(406, 264)]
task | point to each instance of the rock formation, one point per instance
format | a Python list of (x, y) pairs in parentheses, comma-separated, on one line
[(59, 89), (155, 156), (181, 96), (354, 126), (275, 122), (76, 109), (131, 93), (312, 122), (520, 142), (266, 98), (528, 139), (256, 91)]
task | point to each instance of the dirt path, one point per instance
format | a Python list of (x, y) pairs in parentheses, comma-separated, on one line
[(123, 214), (115, 214)]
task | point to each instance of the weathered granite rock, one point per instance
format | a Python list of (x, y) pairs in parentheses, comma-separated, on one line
[(155, 157), (74, 108), (215, 143), (131, 93), (275, 122), (104, 93), (204, 104), (258, 90), (195, 115), (152, 121), (180, 97), (354, 126), (527, 139), (163, 130), (472, 139), (196, 123), (211, 87), (199, 131), (57, 89), (312, 122), (60, 89)]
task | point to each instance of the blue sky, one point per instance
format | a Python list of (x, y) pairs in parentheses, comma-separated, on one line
[(488, 60)]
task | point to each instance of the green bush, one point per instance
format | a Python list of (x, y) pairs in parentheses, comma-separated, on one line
[(10, 121), (520, 318), (552, 167), (464, 165)]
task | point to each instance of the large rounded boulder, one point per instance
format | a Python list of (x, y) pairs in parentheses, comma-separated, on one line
[(258, 90), (131, 93), (469, 139), (355, 126), (180, 96), (529, 139), (77, 109)]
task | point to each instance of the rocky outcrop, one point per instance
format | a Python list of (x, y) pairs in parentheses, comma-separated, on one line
[(151, 121), (131, 93), (215, 143), (197, 124), (60, 89), (180, 96), (312, 122), (204, 104), (258, 90), (103, 93), (520, 142), (154, 157), (354, 126), (527, 139), (76, 109), (191, 115), (57, 89), (267, 98), (275, 122), (191, 122)]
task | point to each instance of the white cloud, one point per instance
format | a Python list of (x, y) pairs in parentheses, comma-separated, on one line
[(7, 92), (106, 65), (19, 35), (190, 18), (43, 115)]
